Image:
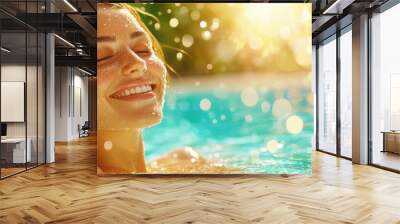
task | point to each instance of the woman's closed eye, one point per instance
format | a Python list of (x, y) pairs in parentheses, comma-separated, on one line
[(104, 58), (142, 49), (143, 53), (104, 54)]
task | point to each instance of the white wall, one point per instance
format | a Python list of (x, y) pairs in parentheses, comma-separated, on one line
[(12, 73), (79, 117), (71, 93), (61, 103)]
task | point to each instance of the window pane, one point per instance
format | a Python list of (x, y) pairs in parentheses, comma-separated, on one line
[(13, 86), (346, 94), (31, 97), (327, 96)]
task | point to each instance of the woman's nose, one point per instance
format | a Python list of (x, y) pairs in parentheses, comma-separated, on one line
[(134, 66)]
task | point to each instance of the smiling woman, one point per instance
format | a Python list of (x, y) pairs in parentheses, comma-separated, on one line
[(131, 89), (131, 83)]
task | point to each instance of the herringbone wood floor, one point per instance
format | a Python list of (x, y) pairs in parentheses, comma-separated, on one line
[(69, 191)]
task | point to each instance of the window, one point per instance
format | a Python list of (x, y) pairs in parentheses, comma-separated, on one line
[(346, 93), (385, 89), (327, 96), (23, 89)]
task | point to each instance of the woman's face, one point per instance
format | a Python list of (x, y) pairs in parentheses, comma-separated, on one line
[(131, 77)]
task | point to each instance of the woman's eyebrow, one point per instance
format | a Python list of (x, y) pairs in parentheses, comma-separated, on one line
[(105, 39), (134, 35)]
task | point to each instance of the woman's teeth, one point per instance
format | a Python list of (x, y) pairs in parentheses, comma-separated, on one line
[(136, 90)]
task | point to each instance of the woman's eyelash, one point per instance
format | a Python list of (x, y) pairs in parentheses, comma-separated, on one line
[(144, 52), (105, 58)]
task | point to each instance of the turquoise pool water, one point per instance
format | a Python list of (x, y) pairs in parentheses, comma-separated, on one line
[(234, 134)]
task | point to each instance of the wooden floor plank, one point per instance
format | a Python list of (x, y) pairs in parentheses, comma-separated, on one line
[(69, 191)]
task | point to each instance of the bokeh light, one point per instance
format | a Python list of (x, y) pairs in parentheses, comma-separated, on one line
[(248, 118), (265, 107), (195, 15), (214, 24), (281, 108), (205, 104), (273, 146), (214, 121), (173, 22), (108, 145), (187, 40), (294, 124), (249, 97), (183, 10), (179, 56), (203, 24), (177, 39), (206, 35), (157, 26)]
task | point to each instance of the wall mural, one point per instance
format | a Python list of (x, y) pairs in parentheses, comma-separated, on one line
[(205, 88)]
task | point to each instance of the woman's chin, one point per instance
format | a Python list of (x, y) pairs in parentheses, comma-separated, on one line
[(151, 121), (144, 120), (132, 122)]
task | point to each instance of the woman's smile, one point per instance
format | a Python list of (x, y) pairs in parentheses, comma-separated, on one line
[(140, 89)]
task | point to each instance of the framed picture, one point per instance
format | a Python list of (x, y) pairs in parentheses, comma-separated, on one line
[(204, 88)]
